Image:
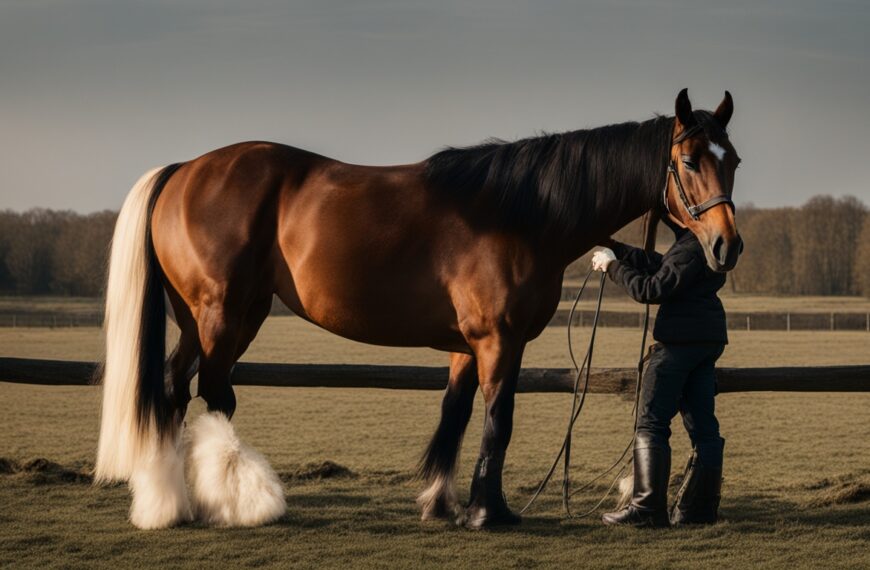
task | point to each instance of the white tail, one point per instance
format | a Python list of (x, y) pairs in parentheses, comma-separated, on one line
[(626, 489), (122, 438)]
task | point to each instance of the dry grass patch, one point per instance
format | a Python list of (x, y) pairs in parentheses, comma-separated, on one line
[(795, 490)]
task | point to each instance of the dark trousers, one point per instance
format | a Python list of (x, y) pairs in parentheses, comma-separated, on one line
[(681, 377)]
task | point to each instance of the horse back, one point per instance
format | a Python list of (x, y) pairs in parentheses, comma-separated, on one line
[(366, 252)]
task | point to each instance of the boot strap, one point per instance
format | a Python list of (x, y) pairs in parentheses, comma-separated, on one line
[(689, 479)]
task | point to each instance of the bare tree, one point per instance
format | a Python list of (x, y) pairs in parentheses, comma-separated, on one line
[(861, 273), (824, 236), (766, 263), (79, 254)]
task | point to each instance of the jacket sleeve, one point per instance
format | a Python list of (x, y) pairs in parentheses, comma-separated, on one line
[(674, 274), (636, 257)]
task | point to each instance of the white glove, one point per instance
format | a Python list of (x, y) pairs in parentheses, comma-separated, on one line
[(602, 258)]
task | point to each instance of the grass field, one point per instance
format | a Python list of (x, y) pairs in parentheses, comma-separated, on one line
[(797, 490)]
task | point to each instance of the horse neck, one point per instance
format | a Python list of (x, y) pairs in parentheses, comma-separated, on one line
[(626, 177)]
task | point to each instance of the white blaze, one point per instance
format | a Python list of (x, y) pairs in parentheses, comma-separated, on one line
[(717, 150)]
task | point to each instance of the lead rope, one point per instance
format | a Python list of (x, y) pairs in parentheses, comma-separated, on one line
[(619, 462), (575, 408), (579, 397)]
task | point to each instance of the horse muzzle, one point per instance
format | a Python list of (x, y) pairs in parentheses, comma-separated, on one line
[(722, 253)]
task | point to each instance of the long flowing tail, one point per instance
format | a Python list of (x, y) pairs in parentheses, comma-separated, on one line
[(137, 414)]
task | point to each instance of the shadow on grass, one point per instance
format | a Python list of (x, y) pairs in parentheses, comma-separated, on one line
[(762, 512), (328, 495), (395, 515)]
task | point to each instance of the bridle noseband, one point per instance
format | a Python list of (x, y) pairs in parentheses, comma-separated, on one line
[(694, 211)]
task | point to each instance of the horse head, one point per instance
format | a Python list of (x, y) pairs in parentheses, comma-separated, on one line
[(700, 182)]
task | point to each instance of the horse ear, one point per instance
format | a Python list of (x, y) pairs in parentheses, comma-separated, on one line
[(724, 110), (684, 109)]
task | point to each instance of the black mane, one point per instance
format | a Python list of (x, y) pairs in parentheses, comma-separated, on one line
[(557, 183)]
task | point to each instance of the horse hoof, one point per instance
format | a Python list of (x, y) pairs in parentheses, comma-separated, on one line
[(441, 509), (479, 518)]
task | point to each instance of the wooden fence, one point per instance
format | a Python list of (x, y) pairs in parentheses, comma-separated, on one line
[(602, 381)]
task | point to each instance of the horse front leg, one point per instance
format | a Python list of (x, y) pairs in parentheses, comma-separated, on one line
[(438, 467), (499, 362)]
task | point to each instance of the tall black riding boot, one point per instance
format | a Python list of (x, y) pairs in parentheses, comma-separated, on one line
[(649, 502), (698, 499)]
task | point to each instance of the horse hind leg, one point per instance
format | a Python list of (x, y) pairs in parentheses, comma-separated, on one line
[(231, 483), (438, 466), (183, 362)]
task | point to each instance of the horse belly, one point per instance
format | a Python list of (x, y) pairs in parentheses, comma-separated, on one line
[(366, 272), (363, 308)]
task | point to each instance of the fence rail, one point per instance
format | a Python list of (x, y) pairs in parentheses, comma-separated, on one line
[(602, 381)]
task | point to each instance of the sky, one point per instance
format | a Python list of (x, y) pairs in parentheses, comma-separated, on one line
[(95, 92)]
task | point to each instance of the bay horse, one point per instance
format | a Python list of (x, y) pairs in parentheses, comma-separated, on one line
[(463, 252)]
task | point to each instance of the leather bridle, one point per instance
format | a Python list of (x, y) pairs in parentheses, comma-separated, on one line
[(694, 211)]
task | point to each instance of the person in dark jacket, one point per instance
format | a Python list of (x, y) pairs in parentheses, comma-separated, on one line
[(690, 336)]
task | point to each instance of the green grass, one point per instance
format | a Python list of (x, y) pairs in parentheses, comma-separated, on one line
[(796, 491)]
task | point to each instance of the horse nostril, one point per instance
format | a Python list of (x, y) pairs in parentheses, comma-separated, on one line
[(720, 251)]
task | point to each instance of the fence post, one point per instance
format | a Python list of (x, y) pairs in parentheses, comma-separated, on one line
[(832, 320), (788, 322), (748, 327), (868, 322)]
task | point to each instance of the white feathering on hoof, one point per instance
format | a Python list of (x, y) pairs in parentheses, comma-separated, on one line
[(626, 489), (440, 499), (231, 483), (159, 494)]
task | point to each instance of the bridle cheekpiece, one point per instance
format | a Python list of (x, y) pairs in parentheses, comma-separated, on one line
[(694, 211)]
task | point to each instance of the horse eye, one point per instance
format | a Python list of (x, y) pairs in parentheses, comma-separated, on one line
[(690, 165)]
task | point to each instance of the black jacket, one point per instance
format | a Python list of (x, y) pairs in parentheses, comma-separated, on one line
[(681, 283)]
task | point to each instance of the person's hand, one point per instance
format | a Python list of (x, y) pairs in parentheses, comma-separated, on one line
[(602, 258)]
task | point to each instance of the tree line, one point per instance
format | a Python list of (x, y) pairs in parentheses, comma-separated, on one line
[(820, 248), (48, 252)]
